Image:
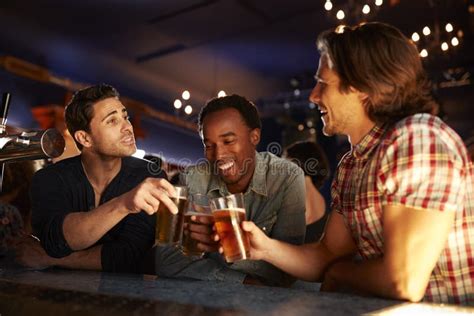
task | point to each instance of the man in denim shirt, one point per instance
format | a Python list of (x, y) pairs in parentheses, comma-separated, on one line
[(273, 188)]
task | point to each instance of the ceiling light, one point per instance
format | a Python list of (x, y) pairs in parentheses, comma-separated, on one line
[(444, 46), (340, 15), (366, 9), (186, 95), (415, 37), (449, 28), (328, 5), (424, 53), (177, 104), (221, 94), (426, 31), (188, 109), (454, 41), (378, 2), (300, 127)]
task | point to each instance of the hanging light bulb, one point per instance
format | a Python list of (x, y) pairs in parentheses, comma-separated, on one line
[(340, 15), (328, 5), (221, 94), (378, 2), (177, 104), (444, 46), (426, 31), (188, 109), (449, 28), (454, 41), (424, 53), (415, 37), (366, 9), (186, 95)]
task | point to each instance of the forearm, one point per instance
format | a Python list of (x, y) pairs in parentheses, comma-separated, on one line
[(83, 229), (308, 262), (89, 259), (371, 277)]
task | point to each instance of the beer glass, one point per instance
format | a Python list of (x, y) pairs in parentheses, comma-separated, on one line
[(198, 206), (169, 226), (229, 212)]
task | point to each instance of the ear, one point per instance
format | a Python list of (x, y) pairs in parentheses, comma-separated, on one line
[(363, 97), (83, 138), (255, 136)]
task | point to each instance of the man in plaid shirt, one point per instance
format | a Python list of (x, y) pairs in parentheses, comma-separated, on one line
[(403, 196)]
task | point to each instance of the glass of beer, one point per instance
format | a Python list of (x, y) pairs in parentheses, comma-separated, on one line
[(229, 212), (170, 226), (198, 206)]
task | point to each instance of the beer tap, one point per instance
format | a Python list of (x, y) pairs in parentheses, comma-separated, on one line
[(27, 145)]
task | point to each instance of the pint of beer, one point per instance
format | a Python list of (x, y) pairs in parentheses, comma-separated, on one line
[(229, 212), (198, 206), (170, 226)]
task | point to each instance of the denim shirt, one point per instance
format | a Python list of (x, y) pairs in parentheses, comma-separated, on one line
[(274, 201)]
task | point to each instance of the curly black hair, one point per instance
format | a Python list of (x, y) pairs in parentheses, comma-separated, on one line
[(247, 110)]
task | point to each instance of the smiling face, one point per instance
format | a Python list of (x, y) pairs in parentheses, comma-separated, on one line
[(230, 145), (341, 112), (110, 133)]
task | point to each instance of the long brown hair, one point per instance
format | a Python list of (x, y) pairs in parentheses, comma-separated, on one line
[(377, 59)]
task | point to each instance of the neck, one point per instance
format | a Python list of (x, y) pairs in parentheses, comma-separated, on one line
[(363, 129), (242, 185), (100, 171)]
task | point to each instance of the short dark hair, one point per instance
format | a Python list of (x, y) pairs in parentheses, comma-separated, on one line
[(247, 110), (377, 59), (79, 111), (310, 157)]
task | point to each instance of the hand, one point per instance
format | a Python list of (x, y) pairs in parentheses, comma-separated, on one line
[(260, 244), (148, 195), (29, 253), (202, 230)]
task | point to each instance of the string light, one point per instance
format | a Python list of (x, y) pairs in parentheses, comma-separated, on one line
[(415, 37), (221, 94), (378, 2), (454, 41), (424, 53), (444, 46)]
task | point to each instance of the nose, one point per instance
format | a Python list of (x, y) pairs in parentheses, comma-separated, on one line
[(127, 125), (220, 152), (315, 95)]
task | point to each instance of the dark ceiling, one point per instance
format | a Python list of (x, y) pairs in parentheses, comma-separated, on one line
[(153, 50)]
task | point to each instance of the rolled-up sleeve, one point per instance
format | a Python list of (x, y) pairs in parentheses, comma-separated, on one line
[(49, 208)]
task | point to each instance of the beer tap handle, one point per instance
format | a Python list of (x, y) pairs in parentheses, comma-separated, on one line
[(4, 112), (5, 105)]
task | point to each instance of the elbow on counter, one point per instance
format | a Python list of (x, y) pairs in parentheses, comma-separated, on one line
[(406, 287)]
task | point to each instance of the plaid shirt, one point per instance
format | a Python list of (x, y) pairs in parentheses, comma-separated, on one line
[(421, 163)]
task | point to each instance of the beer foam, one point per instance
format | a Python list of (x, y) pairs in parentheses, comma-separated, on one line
[(197, 214), (233, 209)]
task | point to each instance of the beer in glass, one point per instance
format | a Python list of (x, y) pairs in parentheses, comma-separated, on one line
[(198, 206), (229, 212), (169, 226)]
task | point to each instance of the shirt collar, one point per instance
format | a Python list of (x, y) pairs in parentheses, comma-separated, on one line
[(258, 184), (369, 141)]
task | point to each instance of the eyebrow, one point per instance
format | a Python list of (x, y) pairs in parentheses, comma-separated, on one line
[(222, 136), (227, 134), (124, 110)]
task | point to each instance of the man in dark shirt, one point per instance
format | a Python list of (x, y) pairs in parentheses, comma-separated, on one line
[(94, 211)]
